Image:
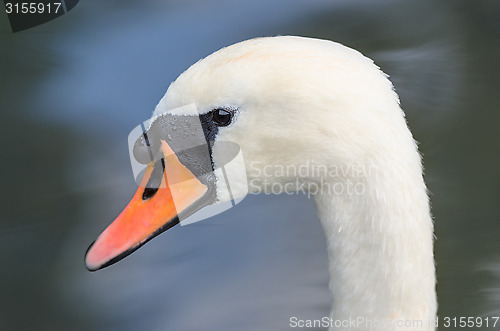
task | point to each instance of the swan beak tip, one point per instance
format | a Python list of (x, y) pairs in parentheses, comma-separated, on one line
[(88, 263), (146, 216)]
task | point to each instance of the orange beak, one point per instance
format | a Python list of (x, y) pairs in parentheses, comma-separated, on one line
[(150, 212)]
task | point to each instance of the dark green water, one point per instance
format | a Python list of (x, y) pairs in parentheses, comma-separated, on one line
[(72, 89)]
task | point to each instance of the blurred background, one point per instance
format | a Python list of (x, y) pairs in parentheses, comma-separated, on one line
[(72, 89)]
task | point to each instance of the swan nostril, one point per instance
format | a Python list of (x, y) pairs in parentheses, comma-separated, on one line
[(154, 181), (149, 192)]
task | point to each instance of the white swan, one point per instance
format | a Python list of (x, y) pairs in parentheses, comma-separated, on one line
[(288, 101)]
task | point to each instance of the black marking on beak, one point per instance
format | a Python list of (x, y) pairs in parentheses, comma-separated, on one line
[(154, 181)]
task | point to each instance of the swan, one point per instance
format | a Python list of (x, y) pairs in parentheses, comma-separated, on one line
[(288, 102)]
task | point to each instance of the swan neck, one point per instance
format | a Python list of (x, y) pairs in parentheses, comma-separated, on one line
[(380, 246)]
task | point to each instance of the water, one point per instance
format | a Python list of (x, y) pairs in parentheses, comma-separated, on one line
[(74, 88)]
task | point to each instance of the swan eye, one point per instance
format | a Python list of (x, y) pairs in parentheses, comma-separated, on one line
[(222, 117)]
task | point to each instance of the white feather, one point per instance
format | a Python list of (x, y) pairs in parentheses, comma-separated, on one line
[(302, 100)]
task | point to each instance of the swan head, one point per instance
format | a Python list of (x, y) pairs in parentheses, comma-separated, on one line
[(283, 102)]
